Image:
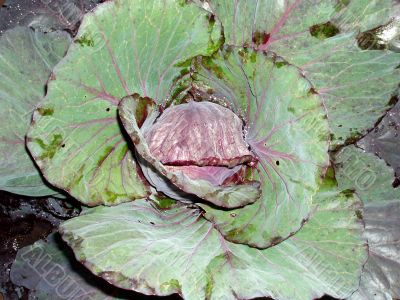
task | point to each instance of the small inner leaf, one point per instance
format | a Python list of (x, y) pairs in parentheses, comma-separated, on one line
[(169, 179), (198, 133)]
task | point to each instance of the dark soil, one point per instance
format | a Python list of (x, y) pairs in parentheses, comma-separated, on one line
[(23, 221)]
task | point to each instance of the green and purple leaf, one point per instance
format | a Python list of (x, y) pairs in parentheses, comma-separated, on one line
[(363, 15), (122, 48), (160, 251), (384, 140), (320, 37), (50, 271), (287, 131), (380, 277), (259, 24), (356, 85), (26, 61), (371, 179), (200, 134), (45, 16)]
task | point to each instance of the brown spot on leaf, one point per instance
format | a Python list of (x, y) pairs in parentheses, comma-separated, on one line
[(143, 109), (313, 91), (324, 31), (393, 101), (396, 183), (359, 214), (276, 240), (43, 111), (260, 37)]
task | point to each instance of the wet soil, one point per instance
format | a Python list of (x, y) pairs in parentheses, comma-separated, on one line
[(23, 221)]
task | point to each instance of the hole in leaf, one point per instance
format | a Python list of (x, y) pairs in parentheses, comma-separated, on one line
[(396, 183), (211, 21), (260, 38), (370, 41), (233, 215), (63, 145), (108, 109), (393, 101), (381, 38), (313, 91), (277, 162), (324, 31)]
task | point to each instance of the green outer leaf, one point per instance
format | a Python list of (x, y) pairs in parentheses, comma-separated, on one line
[(122, 48), (49, 271), (371, 179), (246, 22), (362, 15), (45, 16), (223, 196), (141, 247), (384, 140), (26, 60), (366, 174), (380, 277), (286, 130), (356, 85)]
